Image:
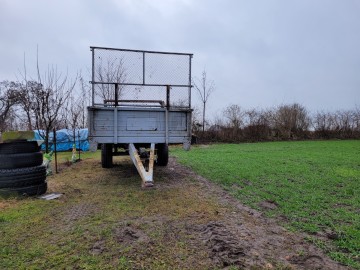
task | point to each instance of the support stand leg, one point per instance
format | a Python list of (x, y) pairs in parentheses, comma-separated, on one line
[(146, 175)]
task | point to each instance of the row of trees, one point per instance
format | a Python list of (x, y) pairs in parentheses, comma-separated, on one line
[(284, 122), (46, 103), (55, 101)]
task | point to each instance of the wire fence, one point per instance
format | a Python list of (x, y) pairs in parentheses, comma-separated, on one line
[(140, 78)]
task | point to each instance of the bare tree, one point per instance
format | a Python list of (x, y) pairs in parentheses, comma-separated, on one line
[(76, 106), (291, 119), (357, 119), (25, 98), (340, 124), (344, 120), (252, 117), (9, 96), (49, 98), (204, 88), (323, 123), (235, 116), (26, 101), (76, 116), (113, 71), (258, 124)]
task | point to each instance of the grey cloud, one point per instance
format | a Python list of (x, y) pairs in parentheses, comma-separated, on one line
[(259, 53)]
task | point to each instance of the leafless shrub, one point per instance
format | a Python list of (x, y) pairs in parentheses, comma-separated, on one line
[(291, 121), (258, 125), (343, 124), (235, 116)]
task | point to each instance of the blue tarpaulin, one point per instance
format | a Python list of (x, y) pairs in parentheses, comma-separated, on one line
[(65, 139)]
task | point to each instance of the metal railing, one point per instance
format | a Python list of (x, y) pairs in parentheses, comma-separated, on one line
[(143, 77)]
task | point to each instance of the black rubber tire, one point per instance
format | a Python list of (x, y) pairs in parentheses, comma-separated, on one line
[(25, 191), (106, 155), (162, 154), (19, 147), (23, 177), (21, 160)]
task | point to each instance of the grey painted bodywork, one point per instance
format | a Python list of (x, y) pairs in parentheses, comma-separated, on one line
[(119, 125)]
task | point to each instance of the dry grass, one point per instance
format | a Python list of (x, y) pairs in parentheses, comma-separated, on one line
[(105, 220), (101, 218)]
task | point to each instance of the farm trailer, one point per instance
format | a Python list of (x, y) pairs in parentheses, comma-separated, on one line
[(141, 103)]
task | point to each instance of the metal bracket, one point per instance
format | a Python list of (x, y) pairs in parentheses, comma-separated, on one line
[(115, 125), (167, 114), (146, 175)]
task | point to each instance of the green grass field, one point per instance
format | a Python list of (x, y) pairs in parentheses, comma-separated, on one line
[(311, 186), (308, 186)]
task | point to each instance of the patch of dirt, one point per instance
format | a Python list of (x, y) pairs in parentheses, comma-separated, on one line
[(75, 213), (6, 204), (268, 205), (98, 248), (223, 246), (129, 236), (311, 262)]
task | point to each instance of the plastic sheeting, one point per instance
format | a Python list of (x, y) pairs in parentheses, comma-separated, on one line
[(65, 139)]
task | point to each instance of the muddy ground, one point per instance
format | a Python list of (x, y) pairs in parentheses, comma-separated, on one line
[(237, 236)]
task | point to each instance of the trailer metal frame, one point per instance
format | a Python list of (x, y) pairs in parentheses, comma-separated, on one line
[(160, 117)]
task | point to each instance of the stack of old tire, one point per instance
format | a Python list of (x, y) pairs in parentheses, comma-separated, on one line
[(21, 169)]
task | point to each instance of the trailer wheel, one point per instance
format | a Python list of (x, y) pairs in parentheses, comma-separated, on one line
[(162, 154), (106, 155)]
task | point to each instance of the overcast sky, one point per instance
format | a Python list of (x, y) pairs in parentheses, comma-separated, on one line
[(259, 53)]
